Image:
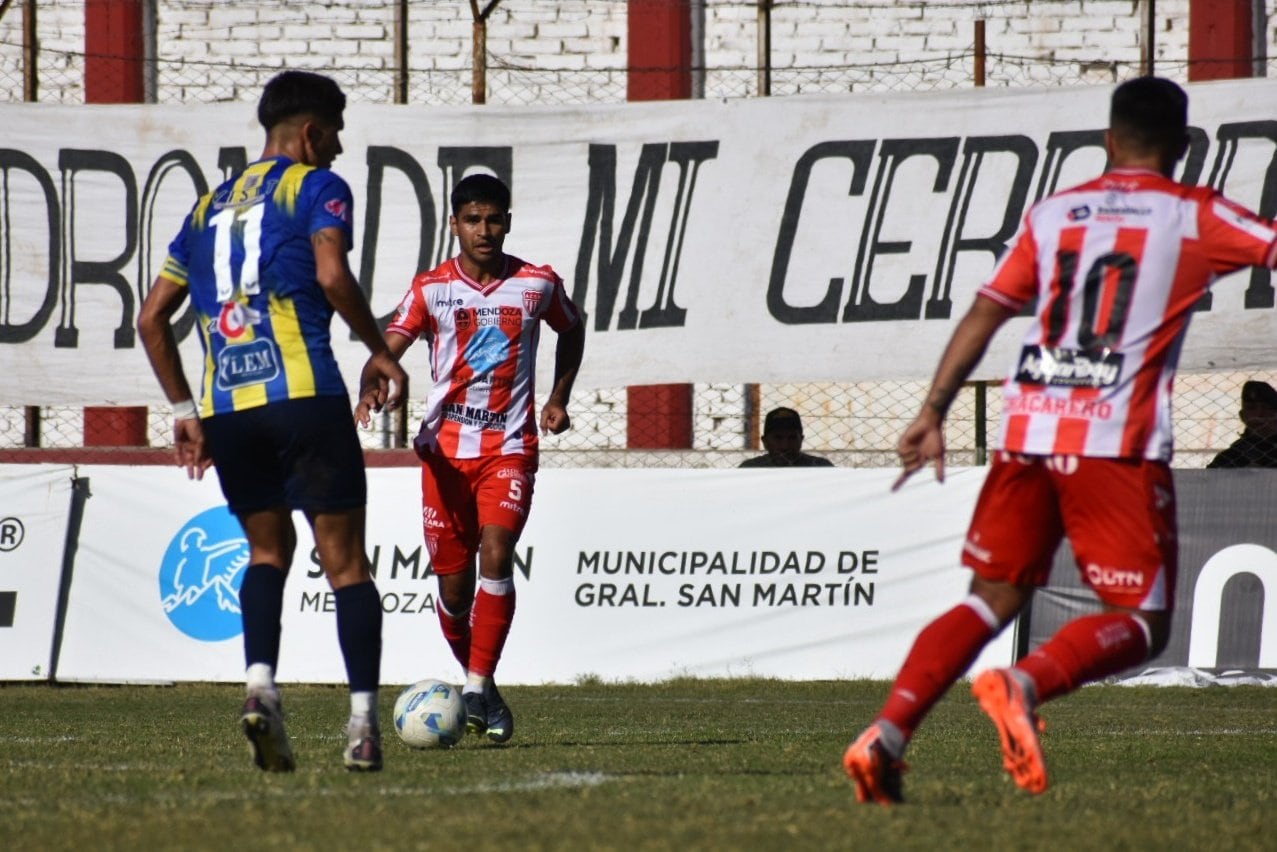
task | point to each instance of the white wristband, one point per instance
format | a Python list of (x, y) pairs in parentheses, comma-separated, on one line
[(185, 410)]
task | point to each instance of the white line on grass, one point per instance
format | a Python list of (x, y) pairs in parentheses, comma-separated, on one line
[(1200, 732), (540, 781)]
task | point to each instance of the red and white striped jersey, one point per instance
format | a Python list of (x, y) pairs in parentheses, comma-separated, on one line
[(483, 346), (1116, 266)]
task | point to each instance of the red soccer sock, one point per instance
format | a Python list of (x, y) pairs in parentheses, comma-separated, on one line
[(942, 652), (1086, 649), (456, 629), (490, 624)]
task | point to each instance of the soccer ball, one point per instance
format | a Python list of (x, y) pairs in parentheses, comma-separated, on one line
[(430, 714)]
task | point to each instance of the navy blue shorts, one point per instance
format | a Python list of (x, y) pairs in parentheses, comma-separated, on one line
[(302, 453)]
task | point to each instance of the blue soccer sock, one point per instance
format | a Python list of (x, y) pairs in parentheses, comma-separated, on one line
[(359, 634), (261, 603)]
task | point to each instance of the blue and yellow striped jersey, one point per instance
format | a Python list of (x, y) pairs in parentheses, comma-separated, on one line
[(245, 253)]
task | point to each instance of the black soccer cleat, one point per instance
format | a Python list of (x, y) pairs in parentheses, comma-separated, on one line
[(476, 712), (500, 721)]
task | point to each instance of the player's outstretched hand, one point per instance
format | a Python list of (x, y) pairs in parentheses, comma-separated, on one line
[(922, 442), (188, 447), (554, 419)]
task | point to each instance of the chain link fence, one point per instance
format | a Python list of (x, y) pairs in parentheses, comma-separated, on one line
[(557, 52)]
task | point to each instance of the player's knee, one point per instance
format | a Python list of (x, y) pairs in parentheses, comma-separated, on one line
[(456, 592), (347, 574), (496, 557), (1001, 601)]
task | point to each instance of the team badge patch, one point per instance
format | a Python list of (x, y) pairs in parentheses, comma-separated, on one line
[(531, 301), (338, 208)]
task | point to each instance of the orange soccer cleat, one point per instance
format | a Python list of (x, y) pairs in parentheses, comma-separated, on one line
[(875, 772), (1002, 699)]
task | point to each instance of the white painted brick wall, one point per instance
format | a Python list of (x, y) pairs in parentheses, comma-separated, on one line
[(1035, 41)]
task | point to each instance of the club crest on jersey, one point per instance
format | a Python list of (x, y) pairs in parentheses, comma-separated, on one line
[(531, 301), (463, 319), (338, 208), (235, 319)]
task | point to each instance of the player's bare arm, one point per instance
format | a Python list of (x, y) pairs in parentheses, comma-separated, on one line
[(923, 440), (155, 327), (371, 392), (568, 353), (332, 271)]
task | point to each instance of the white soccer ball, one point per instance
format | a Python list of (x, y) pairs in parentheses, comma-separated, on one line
[(430, 714)]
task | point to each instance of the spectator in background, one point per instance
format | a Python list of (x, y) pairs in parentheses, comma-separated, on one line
[(1257, 447), (783, 440)]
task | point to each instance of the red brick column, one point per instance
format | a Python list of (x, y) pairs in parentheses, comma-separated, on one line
[(1220, 39), (114, 56), (660, 68)]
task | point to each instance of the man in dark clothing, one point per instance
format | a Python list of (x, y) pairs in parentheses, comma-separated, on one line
[(1257, 447), (783, 440)]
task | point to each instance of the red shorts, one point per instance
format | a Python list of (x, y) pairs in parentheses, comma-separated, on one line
[(459, 497), (1118, 514)]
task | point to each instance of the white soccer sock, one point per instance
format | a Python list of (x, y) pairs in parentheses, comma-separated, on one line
[(497, 587), (260, 679), (475, 683), (364, 704)]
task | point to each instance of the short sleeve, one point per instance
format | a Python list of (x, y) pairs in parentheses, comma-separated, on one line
[(562, 313), (331, 204), (1014, 280), (410, 318), (1234, 237), (179, 256)]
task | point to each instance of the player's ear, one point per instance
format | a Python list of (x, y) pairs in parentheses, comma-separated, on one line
[(509, 217), (310, 137), (452, 225)]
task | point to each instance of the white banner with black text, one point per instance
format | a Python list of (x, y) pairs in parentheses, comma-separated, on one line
[(620, 574), (823, 238), (35, 507)]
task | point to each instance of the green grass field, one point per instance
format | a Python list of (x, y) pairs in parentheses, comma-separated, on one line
[(689, 764)]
